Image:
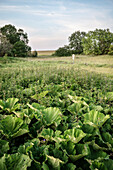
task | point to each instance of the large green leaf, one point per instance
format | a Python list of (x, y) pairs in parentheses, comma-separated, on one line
[(15, 161), (2, 104), (46, 134), (36, 110), (102, 165), (13, 127), (95, 118), (38, 152), (48, 115), (54, 162), (78, 106), (44, 166), (60, 154), (51, 116), (82, 150), (74, 135), (9, 105), (4, 147), (108, 139), (69, 146), (27, 147), (70, 166), (96, 154), (50, 135)]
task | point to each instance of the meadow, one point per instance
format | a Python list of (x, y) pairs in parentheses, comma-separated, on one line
[(55, 114)]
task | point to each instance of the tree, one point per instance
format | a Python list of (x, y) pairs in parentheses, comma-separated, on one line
[(16, 39), (75, 42), (22, 36), (5, 46), (20, 49), (111, 50), (97, 42), (63, 51), (10, 32)]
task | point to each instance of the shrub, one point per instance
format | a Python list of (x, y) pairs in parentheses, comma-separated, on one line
[(63, 51)]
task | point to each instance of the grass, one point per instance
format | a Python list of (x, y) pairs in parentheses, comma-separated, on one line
[(99, 64)]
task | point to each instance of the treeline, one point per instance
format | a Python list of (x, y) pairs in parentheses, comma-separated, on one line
[(14, 42), (97, 42)]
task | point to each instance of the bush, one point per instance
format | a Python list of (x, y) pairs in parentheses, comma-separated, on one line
[(34, 54), (63, 51)]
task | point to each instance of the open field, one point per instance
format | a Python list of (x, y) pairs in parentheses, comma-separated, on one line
[(98, 64), (55, 114), (46, 53)]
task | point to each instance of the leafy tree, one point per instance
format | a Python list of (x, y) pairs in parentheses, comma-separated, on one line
[(5, 46), (20, 49), (111, 50), (23, 36), (15, 39), (63, 51), (10, 32), (97, 42), (75, 42)]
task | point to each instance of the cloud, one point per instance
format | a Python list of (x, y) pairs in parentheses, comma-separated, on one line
[(30, 11), (50, 23)]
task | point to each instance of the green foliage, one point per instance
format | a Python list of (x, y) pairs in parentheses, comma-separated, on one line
[(14, 35), (15, 161), (20, 49), (10, 105), (52, 116), (63, 51), (97, 42), (14, 42), (5, 46), (75, 42), (4, 147), (110, 50), (12, 127), (55, 118), (95, 118), (74, 135)]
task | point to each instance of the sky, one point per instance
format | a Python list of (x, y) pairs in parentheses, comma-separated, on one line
[(49, 23)]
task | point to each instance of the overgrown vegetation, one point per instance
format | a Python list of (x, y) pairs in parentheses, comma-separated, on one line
[(53, 115)]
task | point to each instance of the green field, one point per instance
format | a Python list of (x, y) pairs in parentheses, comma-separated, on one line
[(55, 114)]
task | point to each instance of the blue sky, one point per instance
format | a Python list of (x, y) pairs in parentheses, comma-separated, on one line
[(49, 23)]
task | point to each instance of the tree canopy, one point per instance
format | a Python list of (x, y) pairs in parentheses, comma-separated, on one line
[(97, 42), (75, 42), (13, 42)]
